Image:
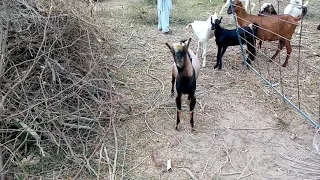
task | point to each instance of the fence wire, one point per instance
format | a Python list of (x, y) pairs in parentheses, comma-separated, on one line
[(299, 83)]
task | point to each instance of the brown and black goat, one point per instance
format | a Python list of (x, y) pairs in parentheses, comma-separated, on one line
[(271, 28), (185, 71)]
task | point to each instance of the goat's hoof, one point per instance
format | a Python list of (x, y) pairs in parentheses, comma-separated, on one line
[(193, 130), (284, 65), (177, 129), (215, 67), (203, 66), (172, 94)]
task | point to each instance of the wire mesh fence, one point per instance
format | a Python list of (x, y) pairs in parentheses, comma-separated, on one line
[(299, 82)]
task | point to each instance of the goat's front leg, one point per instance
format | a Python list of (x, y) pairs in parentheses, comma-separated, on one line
[(221, 55), (204, 54), (280, 47), (289, 50), (299, 31), (178, 103), (173, 81), (193, 102)]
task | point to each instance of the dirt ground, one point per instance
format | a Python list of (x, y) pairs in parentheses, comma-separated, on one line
[(243, 129)]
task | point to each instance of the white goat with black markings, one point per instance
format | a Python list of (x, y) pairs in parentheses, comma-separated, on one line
[(296, 9), (247, 4), (202, 29)]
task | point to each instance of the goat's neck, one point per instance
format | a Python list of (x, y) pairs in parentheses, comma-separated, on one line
[(187, 69), (218, 31), (241, 15)]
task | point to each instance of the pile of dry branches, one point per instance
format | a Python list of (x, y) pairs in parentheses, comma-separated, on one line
[(56, 87)]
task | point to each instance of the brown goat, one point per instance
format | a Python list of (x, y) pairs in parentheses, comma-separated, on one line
[(281, 26)]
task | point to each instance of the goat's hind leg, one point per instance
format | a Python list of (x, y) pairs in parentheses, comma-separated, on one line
[(204, 53), (280, 47), (178, 103), (218, 56), (198, 48), (193, 102), (289, 50)]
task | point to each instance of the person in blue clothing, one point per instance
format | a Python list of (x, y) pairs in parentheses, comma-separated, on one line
[(164, 7)]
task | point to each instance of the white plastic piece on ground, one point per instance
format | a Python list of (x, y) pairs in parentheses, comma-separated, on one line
[(169, 165)]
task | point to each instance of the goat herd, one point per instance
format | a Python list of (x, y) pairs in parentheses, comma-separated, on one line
[(266, 26)]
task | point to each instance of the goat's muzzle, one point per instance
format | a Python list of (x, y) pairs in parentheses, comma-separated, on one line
[(180, 64)]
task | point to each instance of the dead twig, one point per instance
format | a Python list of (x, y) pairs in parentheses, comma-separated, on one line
[(189, 173), (2, 177), (245, 167)]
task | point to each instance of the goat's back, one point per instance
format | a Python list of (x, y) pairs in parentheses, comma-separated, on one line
[(278, 24), (292, 10), (195, 63), (202, 29)]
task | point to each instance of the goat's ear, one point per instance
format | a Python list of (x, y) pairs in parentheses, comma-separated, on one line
[(170, 47), (187, 46)]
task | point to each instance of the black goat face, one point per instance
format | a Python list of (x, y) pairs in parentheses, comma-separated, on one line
[(179, 52), (179, 58), (216, 23)]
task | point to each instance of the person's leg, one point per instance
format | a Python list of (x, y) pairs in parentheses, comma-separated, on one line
[(159, 20), (165, 20)]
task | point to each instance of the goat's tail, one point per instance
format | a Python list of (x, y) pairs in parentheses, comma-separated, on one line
[(304, 11)]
